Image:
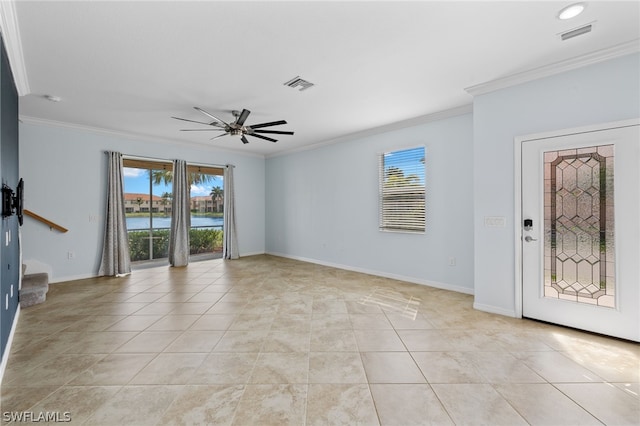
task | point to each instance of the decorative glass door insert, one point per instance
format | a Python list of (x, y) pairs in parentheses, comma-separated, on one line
[(579, 225)]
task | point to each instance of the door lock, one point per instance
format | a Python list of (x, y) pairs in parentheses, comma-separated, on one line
[(528, 224)]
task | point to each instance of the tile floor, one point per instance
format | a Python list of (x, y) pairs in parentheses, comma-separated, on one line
[(271, 341)]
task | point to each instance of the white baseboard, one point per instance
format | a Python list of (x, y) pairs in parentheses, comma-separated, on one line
[(53, 280), (414, 280), (7, 349), (495, 310)]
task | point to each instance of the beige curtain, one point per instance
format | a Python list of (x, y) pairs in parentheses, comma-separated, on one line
[(116, 260), (180, 216), (230, 242)]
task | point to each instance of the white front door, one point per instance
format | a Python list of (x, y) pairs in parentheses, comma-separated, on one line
[(581, 230)]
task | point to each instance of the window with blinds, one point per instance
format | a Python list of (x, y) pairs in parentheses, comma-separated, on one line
[(402, 190)]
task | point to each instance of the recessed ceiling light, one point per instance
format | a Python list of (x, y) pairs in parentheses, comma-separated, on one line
[(571, 11)]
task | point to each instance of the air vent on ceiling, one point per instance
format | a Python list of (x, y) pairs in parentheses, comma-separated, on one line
[(299, 82), (576, 32)]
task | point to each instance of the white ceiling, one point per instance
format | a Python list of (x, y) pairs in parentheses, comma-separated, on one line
[(129, 66)]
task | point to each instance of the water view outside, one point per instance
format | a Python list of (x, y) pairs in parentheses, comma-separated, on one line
[(136, 223)]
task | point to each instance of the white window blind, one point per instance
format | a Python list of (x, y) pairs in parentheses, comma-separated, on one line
[(402, 190)]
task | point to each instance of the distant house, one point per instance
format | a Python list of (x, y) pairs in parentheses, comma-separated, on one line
[(140, 203), (205, 204)]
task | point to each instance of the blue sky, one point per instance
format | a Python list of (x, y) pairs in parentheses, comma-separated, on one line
[(137, 181), (408, 161)]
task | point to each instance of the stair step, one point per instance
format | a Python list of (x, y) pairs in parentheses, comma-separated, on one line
[(34, 289)]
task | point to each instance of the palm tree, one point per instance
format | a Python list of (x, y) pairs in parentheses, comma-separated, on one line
[(166, 177), (217, 194), (166, 199)]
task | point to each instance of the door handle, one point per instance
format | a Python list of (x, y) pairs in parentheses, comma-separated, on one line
[(529, 238)]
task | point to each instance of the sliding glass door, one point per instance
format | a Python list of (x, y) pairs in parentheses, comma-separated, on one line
[(148, 198), (147, 201)]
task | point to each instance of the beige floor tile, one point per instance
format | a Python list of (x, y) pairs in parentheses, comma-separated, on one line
[(502, 367), (556, 367), (409, 322), (225, 368), (476, 404), (19, 398), (281, 368), (292, 322), (287, 341), (543, 404), (336, 367), (609, 404), (78, 401), (114, 369), (448, 367), (213, 322), (331, 321), (378, 340), (268, 340), (252, 322), (94, 323), (101, 342), (328, 340), (340, 404), (174, 322), (370, 322), (272, 405), (192, 308), (59, 370), (169, 369), (391, 367), (135, 323), (408, 404), (241, 341), (149, 341), (199, 341), (204, 405), (425, 340), (135, 405)]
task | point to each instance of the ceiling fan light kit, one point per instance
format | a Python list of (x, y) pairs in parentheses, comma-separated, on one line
[(237, 127)]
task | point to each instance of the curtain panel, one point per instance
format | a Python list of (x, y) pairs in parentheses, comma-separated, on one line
[(116, 260), (180, 216), (230, 242)]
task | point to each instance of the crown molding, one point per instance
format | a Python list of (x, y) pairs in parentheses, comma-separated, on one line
[(416, 121), (12, 42), (133, 136), (602, 55)]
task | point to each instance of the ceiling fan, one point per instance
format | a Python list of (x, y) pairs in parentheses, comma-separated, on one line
[(237, 127)]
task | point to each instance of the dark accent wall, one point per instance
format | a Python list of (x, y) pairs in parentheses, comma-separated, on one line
[(9, 242)]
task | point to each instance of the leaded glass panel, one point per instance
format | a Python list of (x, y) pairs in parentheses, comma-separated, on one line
[(578, 224)]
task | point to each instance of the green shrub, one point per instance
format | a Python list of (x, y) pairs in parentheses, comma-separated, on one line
[(201, 241)]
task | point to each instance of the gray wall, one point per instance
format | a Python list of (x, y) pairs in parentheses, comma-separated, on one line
[(322, 206), (599, 93), (65, 181), (9, 241)]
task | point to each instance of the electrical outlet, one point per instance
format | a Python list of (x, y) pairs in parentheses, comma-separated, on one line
[(71, 255)]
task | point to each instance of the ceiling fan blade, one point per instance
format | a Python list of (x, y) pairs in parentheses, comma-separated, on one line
[(202, 130), (272, 123), (275, 132), (192, 121), (243, 117), (219, 136), (210, 115), (262, 137), (244, 139)]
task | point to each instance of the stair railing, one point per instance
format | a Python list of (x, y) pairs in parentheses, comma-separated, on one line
[(47, 222)]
